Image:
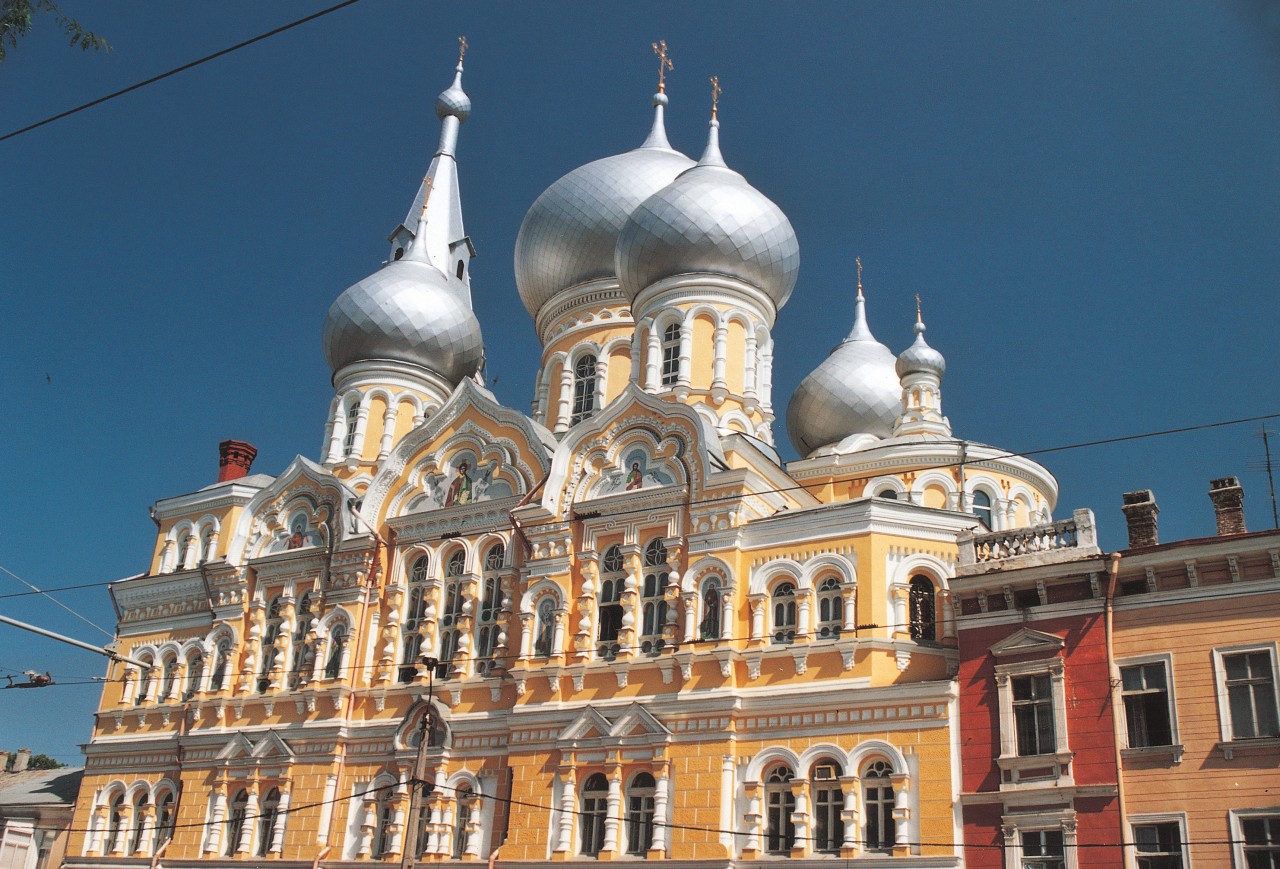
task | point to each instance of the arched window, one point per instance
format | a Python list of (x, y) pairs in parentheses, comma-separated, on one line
[(490, 606), (584, 389), (828, 802), (830, 608), (982, 508), (415, 611), (267, 815), (877, 806), (304, 650), (384, 811), (139, 824), (146, 678), (923, 609), (168, 675), (195, 671), (337, 646), (888, 494), (462, 269), (780, 805), (206, 547), (640, 814), (269, 637), (353, 416), (612, 578), (461, 819), (115, 820), (784, 612), (166, 818), (712, 607), (671, 355), (544, 631), (221, 661), (186, 551), (653, 602), (235, 821), (422, 834), (453, 571), (595, 806)]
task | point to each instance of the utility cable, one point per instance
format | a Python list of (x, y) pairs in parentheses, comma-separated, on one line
[(176, 70), (35, 590)]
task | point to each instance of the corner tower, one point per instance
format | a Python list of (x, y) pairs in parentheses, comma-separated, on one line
[(400, 340), (707, 262)]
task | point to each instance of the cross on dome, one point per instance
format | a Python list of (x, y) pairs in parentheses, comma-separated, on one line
[(716, 90), (664, 64)]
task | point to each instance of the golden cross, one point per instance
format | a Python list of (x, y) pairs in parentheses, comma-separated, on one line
[(918, 319), (858, 261), (664, 64), (462, 48), (426, 194), (716, 90)]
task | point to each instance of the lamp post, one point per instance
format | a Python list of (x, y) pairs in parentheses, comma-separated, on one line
[(411, 847)]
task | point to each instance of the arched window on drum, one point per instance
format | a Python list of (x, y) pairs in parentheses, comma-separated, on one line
[(415, 611), (923, 609), (830, 608), (653, 602), (783, 604), (454, 569), (487, 626), (712, 608)]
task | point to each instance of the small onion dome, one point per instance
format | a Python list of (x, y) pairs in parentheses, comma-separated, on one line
[(854, 391), (709, 221), (569, 233), (454, 100), (921, 358), (405, 312)]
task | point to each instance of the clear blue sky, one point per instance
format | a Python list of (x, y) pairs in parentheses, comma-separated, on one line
[(1086, 195)]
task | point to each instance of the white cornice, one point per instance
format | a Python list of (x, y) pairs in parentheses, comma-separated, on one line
[(856, 518), (234, 493)]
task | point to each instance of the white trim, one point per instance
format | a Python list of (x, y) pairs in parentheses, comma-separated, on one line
[(1234, 817), (1165, 658), (1179, 818), (1225, 725)]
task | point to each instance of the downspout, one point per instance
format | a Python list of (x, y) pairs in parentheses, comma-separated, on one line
[(515, 523), (324, 852), (1117, 726)]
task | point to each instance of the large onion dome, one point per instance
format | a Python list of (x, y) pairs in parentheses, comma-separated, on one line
[(569, 233), (709, 220), (417, 310), (854, 391)]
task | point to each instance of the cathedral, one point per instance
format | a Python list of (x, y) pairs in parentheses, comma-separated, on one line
[(616, 627)]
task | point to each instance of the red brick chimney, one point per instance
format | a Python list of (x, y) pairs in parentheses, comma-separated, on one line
[(235, 458), (1228, 505), (1140, 513)]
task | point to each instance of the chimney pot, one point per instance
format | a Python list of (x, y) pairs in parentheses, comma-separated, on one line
[(1140, 513), (235, 458), (1228, 505), (21, 760)]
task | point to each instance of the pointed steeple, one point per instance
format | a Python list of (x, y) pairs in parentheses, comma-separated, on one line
[(711, 154), (860, 331), (658, 132), (920, 368), (438, 233)]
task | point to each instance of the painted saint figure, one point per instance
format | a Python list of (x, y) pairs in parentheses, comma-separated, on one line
[(635, 479), (460, 489)]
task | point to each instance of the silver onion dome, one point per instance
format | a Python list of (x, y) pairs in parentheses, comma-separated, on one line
[(920, 357), (405, 312), (709, 220), (569, 233), (854, 391)]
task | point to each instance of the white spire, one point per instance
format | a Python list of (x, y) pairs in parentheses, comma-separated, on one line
[(658, 132)]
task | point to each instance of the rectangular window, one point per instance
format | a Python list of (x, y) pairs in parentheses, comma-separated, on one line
[(1158, 846), (1043, 849), (1147, 710), (1261, 836), (1251, 694), (1033, 714)]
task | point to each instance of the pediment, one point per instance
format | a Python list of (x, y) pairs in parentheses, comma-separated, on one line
[(272, 745), (240, 747), (301, 510), (1026, 641), (638, 721), (589, 724)]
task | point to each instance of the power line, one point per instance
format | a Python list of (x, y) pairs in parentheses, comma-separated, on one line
[(176, 70), (35, 590)]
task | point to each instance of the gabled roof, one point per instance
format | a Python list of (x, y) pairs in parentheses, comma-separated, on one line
[(1026, 641), (41, 787)]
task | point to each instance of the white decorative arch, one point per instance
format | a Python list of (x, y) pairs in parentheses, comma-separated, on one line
[(486, 542), (703, 567), (768, 757), (845, 566), (735, 415), (814, 753), (763, 577), (138, 787), (540, 589), (880, 484), (937, 478), (920, 562), (865, 751)]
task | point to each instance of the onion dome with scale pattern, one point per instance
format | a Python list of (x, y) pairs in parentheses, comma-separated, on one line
[(417, 310), (920, 358), (856, 390), (569, 233), (709, 220)]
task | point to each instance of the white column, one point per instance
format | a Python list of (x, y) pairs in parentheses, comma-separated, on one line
[(849, 597), (527, 627), (721, 350), (901, 810), (337, 433), (686, 349), (690, 616), (661, 801), (471, 847), (214, 844), (749, 367), (765, 388), (602, 381), (564, 404), (804, 604), (362, 423), (326, 809), (849, 814), (758, 602), (800, 817), (245, 845), (122, 832), (540, 398), (436, 839), (726, 614), (613, 812), (653, 359), (388, 429), (564, 841), (277, 827)]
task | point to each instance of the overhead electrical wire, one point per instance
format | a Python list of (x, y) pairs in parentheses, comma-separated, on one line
[(177, 69)]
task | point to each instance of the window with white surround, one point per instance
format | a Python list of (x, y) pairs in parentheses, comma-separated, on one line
[(828, 806), (453, 600), (584, 389), (830, 609), (1146, 688), (653, 604), (1032, 707), (640, 806), (671, 355), (783, 600), (1256, 838), (1040, 840), (1246, 683), (1043, 849), (877, 806), (595, 807), (1033, 714), (780, 826), (609, 614), (415, 612), (1159, 841)]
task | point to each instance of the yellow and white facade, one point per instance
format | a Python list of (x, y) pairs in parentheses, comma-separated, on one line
[(624, 628)]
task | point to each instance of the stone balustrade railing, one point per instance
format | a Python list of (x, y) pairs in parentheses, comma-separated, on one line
[(1064, 540)]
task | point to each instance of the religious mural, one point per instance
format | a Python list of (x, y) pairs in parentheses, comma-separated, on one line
[(638, 471), (300, 534), (465, 480)]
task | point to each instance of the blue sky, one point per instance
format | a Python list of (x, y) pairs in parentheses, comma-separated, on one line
[(1086, 196)]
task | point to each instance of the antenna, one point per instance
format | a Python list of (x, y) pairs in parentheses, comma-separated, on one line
[(1271, 480)]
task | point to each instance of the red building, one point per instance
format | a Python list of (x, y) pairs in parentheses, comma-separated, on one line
[(1037, 737)]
